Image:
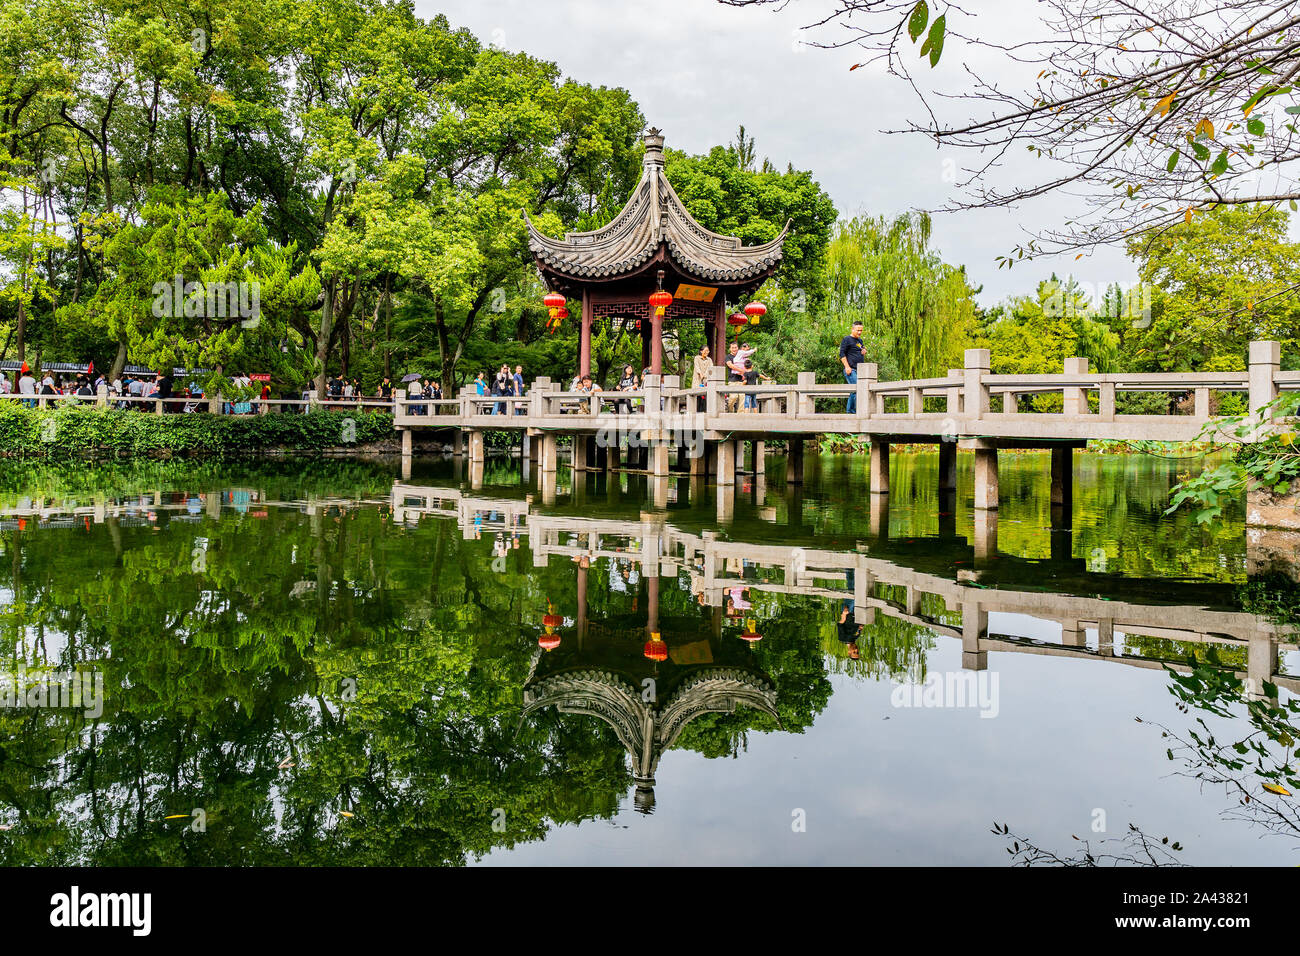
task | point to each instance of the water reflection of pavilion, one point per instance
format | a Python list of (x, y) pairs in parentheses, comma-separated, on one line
[(646, 676)]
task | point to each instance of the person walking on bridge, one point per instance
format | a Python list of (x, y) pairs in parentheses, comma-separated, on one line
[(701, 369), (851, 357)]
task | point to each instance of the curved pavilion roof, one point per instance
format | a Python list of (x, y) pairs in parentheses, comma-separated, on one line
[(648, 729), (654, 226)]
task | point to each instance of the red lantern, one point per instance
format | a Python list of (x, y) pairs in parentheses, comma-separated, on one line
[(750, 633), (655, 649), (755, 311), (553, 300), (736, 319), (550, 640), (661, 300)]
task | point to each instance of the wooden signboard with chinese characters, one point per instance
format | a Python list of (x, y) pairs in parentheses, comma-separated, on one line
[(695, 293)]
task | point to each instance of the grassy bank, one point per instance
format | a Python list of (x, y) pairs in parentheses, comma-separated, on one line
[(87, 430)]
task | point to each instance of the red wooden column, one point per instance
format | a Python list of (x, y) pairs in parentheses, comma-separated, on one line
[(719, 346), (656, 342), (645, 344), (584, 339)]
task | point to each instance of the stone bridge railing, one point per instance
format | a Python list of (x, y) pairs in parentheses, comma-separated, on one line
[(969, 402)]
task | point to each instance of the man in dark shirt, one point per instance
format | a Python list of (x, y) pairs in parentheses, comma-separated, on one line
[(165, 389), (851, 357)]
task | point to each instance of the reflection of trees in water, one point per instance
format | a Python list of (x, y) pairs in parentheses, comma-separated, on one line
[(1251, 756), (889, 648), (1134, 848), (315, 664)]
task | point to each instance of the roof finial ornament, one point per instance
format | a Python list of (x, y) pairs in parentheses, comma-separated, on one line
[(654, 146)]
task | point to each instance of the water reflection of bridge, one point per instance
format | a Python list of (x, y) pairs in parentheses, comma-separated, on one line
[(176, 506), (1182, 612)]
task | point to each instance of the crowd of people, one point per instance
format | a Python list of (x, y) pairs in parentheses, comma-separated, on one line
[(139, 392), (740, 371), (425, 388), (503, 384)]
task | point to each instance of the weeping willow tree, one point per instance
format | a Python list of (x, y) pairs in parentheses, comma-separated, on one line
[(886, 274)]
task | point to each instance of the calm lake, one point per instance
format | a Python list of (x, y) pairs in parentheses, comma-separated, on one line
[(325, 662)]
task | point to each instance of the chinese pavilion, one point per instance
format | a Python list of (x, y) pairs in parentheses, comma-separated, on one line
[(653, 266)]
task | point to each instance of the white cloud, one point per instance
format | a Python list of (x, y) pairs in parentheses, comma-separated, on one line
[(699, 69)]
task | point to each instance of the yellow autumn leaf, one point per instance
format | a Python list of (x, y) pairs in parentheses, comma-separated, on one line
[(1187, 216), (1163, 105), (345, 813), (1280, 791)]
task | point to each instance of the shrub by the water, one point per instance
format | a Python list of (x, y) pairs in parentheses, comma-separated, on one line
[(87, 430)]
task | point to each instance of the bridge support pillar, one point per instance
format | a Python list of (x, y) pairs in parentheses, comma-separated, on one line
[(725, 498), (760, 458), (726, 452), (947, 504), (986, 478), (579, 453), (880, 467), (1072, 634), (476, 448), (986, 537), (974, 629), (658, 459), (547, 454), (476, 468), (794, 461), (878, 521), (1063, 479), (697, 458), (458, 443), (408, 442), (947, 466), (659, 491)]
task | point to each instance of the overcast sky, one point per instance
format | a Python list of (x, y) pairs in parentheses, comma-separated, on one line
[(699, 69)]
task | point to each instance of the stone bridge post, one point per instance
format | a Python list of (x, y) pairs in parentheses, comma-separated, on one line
[(1265, 360)]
